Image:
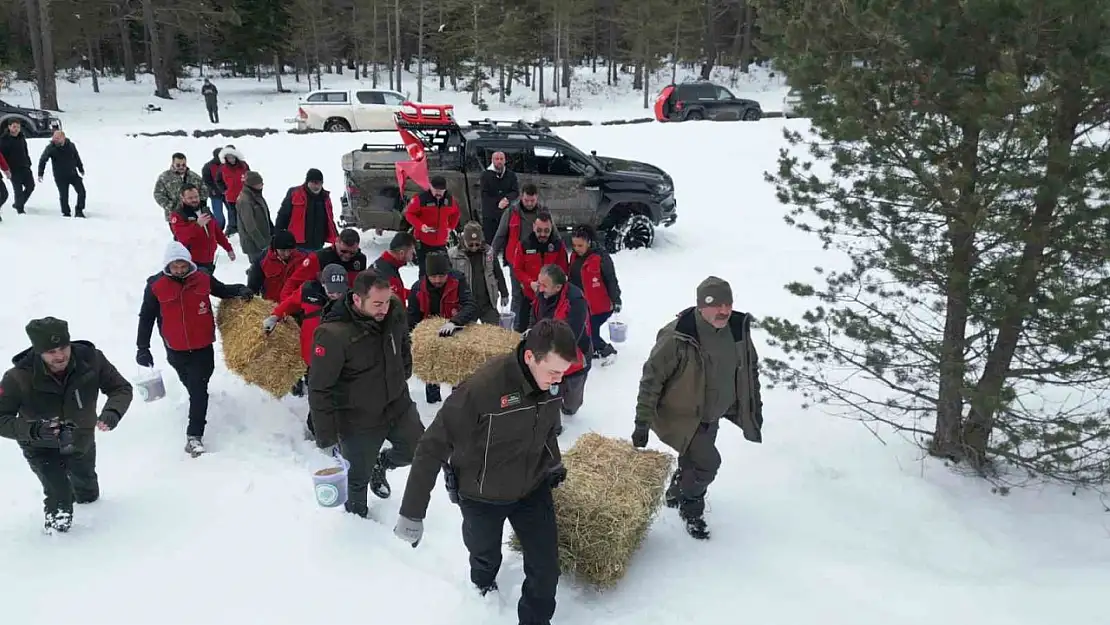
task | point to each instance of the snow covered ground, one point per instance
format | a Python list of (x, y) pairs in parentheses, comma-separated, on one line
[(820, 525), (250, 103)]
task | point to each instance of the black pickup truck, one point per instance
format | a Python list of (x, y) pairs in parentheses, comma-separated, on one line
[(625, 200), (37, 124)]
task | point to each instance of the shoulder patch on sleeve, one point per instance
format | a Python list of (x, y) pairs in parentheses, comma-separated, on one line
[(307, 262), (319, 350)]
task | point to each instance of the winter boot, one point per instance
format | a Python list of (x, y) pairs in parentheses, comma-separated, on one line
[(59, 521), (88, 497), (485, 590), (379, 485), (193, 446), (432, 394), (673, 493), (695, 525), (65, 212), (606, 355), (79, 214), (357, 509), (299, 388)]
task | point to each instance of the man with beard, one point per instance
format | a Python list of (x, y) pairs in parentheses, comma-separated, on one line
[(344, 252), (541, 247), (194, 227), (558, 299), (474, 259), (168, 186), (703, 367), (358, 393), (514, 229), (441, 293), (69, 171), (307, 212)]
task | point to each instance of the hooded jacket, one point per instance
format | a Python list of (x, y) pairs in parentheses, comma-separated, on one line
[(230, 177)]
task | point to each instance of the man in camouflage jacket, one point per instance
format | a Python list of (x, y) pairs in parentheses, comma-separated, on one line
[(167, 189)]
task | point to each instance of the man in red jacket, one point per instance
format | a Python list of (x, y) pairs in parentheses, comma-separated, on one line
[(194, 227), (178, 300), (433, 215), (442, 293), (271, 269), (543, 247), (402, 249), (345, 252)]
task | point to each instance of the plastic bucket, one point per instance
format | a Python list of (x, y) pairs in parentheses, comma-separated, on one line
[(330, 484), (150, 385), (507, 319), (618, 331)]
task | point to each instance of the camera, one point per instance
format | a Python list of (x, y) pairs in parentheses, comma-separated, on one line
[(65, 438)]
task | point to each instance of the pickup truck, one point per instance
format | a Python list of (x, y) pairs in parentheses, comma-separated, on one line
[(625, 200), (36, 123), (336, 110)]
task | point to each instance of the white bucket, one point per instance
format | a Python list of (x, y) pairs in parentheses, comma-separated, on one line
[(618, 331), (150, 385)]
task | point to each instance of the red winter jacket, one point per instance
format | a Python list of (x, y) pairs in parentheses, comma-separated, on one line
[(532, 255), (201, 242), (426, 210), (594, 274), (314, 263), (570, 307), (268, 273), (387, 266), (232, 177), (294, 220), (309, 301)]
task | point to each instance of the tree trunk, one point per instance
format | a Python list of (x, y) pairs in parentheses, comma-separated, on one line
[(440, 69), (503, 83), (558, 61), (161, 89), (92, 60), (397, 39), (539, 78), (709, 40), (374, 46), (420, 53), (389, 48), (674, 52), (568, 71), (277, 73), (36, 42), (746, 47), (48, 96), (126, 45), (476, 86)]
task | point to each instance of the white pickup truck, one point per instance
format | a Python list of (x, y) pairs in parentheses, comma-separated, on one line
[(335, 110)]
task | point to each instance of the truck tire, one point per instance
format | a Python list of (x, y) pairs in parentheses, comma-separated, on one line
[(751, 115), (694, 116), (630, 231), (337, 124)]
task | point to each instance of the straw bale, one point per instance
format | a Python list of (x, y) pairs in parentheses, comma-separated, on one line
[(450, 360), (606, 505), (271, 362)]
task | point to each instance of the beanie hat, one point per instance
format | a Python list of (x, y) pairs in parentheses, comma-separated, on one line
[(472, 232), (714, 291), (283, 240), (437, 264), (47, 333), (334, 279), (314, 175), (252, 178)]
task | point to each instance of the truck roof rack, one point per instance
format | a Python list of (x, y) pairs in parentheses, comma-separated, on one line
[(505, 124)]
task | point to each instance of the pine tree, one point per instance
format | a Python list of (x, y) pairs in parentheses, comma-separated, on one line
[(955, 160)]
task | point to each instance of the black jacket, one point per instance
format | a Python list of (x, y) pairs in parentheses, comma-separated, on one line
[(14, 150), (64, 159), (211, 180), (316, 226), (495, 187)]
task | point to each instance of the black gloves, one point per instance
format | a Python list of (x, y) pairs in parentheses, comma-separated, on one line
[(616, 308), (143, 358), (109, 419), (46, 430), (245, 293), (557, 475), (640, 435)]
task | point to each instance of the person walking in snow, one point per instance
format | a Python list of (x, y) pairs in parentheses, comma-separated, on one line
[(434, 214), (232, 175), (358, 391), (168, 186), (499, 189), (592, 270), (514, 229), (13, 147), (442, 292), (211, 93), (177, 300), (309, 304), (345, 252), (556, 298), (48, 404), (69, 171), (542, 246), (210, 172), (306, 212), (703, 367), (255, 225), (496, 439), (193, 226), (272, 267), (402, 249), (7, 172), (475, 260)]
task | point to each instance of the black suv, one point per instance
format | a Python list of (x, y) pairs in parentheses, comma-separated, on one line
[(37, 124), (704, 100), (625, 200)]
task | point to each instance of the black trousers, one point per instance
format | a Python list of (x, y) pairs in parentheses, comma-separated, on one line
[(63, 193), (491, 219), (697, 468), (194, 369), (523, 309), (65, 478), (422, 252), (213, 113), (362, 451), (23, 185), (533, 521)]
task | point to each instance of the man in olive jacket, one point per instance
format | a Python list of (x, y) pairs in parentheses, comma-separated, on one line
[(48, 404), (358, 393), (496, 438), (703, 367)]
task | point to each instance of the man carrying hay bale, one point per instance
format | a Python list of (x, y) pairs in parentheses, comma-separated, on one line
[(703, 367), (442, 292), (310, 304), (496, 439), (558, 299), (358, 393), (177, 300), (344, 252), (402, 249), (272, 268)]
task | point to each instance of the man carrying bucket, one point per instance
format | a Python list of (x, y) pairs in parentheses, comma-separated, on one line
[(703, 367), (497, 438), (48, 404)]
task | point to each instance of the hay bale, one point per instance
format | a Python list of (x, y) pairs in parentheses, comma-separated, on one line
[(450, 360), (271, 362), (604, 509)]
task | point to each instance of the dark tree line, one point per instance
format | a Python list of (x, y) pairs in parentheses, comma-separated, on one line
[(483, 46)]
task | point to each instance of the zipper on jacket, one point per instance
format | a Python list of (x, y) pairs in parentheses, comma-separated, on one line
[(393, 342), (77, 396), (485, 458)]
